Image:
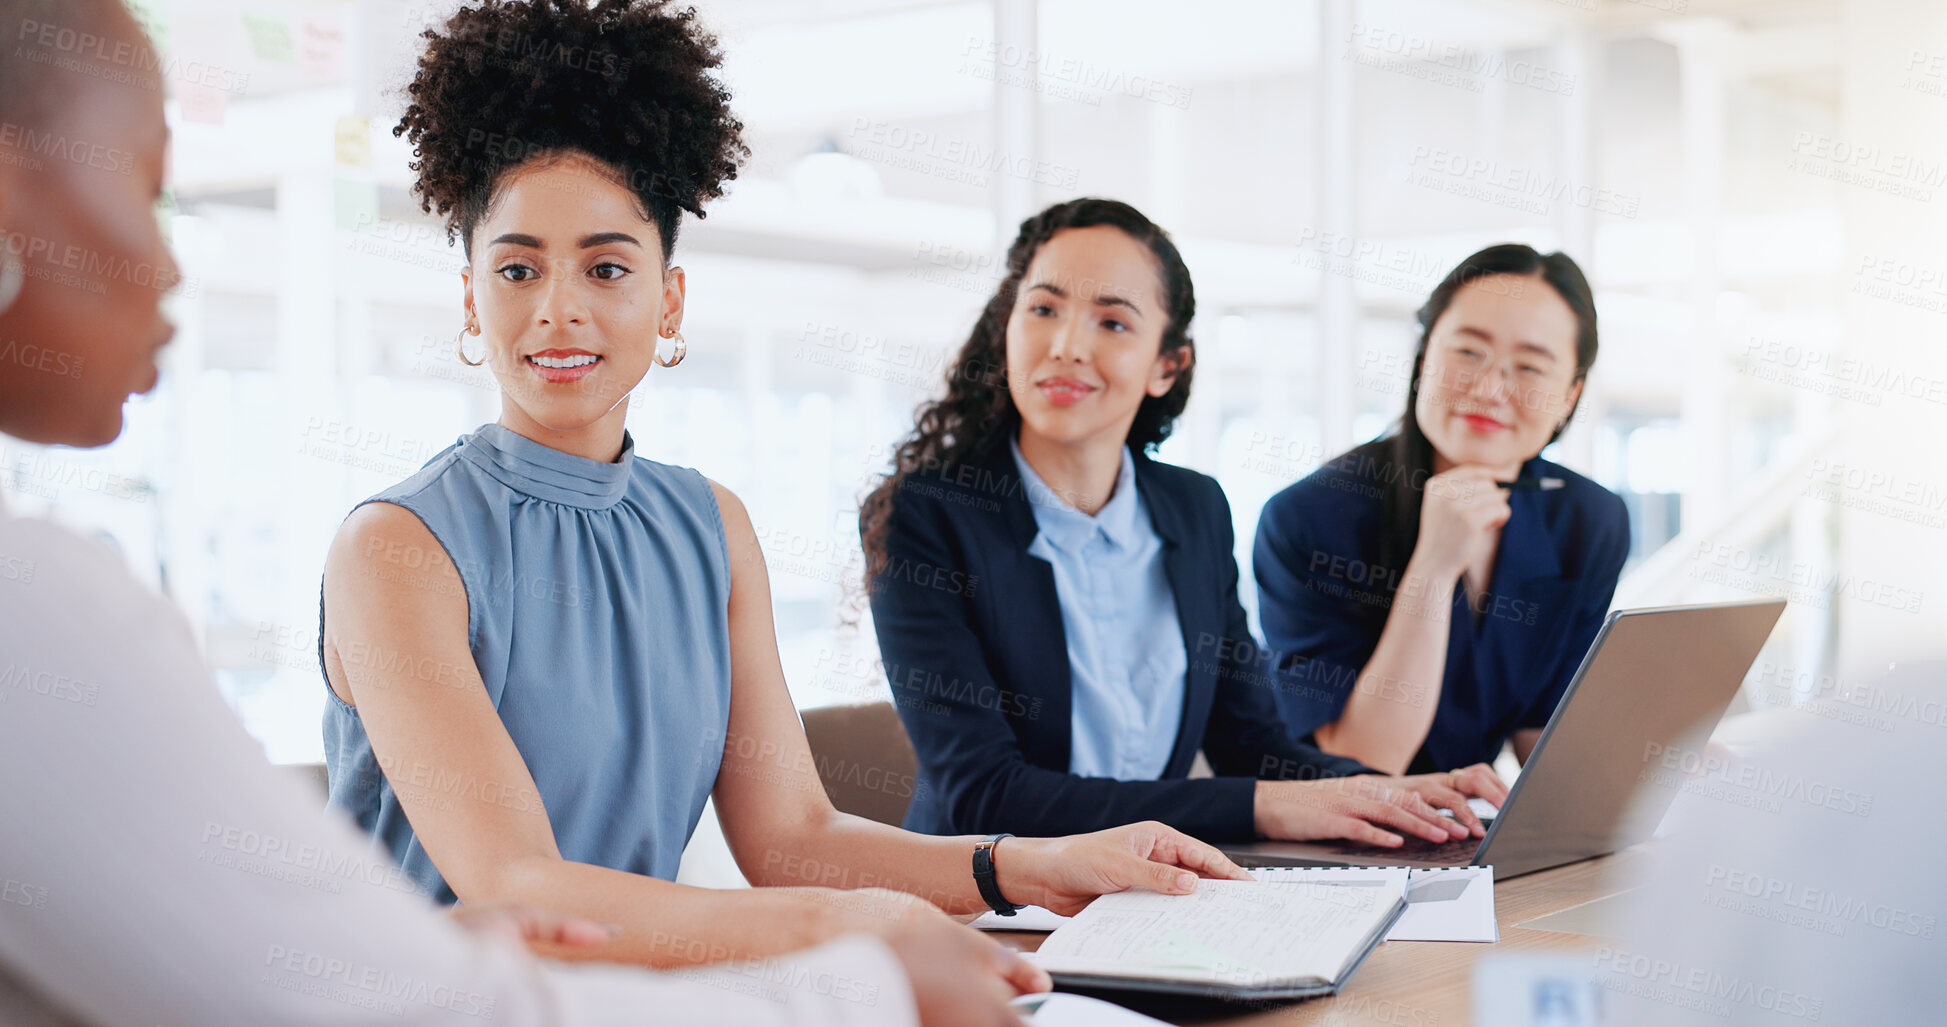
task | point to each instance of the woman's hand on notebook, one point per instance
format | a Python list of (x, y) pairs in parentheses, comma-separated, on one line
[(1450, 791), (1355, 808), (1064, 874)]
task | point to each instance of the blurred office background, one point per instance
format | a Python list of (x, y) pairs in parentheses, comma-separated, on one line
[(1755, 187)]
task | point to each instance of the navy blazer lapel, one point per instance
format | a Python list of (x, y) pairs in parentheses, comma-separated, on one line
[(1030, 597), (1014, 499), (1170, 520)]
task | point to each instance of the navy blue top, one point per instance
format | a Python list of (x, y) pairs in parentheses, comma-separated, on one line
[(970, 628), (1323, 602), (598, 615)]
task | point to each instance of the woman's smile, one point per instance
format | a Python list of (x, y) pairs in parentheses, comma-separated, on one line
[(1064, 391), (560, 366)]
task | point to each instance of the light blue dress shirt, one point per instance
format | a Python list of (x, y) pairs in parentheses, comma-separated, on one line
[(1125, 646)]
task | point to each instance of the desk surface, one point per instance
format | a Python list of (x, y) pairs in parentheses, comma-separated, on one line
[(1420, 982), (1430, 983)]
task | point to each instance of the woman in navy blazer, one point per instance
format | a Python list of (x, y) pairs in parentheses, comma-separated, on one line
[(1078, 365), (1434, 591)]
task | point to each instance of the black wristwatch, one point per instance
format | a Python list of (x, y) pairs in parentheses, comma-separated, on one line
[(983, 870)]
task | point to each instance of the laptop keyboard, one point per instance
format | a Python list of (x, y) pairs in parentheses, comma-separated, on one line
[(1457, 852)]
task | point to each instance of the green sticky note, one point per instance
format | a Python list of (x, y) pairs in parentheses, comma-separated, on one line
[(270, 37)]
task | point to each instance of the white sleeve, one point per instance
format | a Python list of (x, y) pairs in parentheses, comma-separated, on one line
[(155, 870), (854, 980)]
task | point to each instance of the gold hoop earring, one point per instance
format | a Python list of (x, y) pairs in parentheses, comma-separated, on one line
[(682, 350), (459, 346)]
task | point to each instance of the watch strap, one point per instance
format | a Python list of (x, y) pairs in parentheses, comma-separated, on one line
[(983, 873)]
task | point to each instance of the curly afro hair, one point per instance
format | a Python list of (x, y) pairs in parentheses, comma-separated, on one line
[(626, 82)]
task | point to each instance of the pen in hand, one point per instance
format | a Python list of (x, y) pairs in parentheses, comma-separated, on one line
[(1532, 484)]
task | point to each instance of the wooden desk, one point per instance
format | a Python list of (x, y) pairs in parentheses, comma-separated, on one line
[(1427, 984)]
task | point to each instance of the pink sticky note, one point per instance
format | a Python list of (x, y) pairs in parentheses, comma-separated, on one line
[(203, 103)]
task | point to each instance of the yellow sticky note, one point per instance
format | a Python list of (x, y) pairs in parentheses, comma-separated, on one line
[(353, 141)]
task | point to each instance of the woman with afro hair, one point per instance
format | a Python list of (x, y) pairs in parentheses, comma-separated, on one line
[(544, 651)]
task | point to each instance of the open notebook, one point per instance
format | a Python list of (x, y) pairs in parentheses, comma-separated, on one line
[(1229, 939), (1442, 903)]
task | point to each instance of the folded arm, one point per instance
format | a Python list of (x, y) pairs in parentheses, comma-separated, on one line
[(1365, 694)]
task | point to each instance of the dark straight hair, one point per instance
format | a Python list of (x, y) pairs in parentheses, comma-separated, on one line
[(1402, 460)]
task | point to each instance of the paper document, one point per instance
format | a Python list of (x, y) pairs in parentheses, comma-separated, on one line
[(1442, 903), (1058, 1009)]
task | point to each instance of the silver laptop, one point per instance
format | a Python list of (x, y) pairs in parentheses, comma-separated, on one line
[(1650, 690)]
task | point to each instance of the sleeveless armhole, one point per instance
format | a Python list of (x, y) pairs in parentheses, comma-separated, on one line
[(723, 534), (466, 592)]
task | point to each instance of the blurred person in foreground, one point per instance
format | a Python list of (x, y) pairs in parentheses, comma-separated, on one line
[(1801, 880)]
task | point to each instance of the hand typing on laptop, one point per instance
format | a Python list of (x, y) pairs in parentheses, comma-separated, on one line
[(1362, 808), (1457, 790), (1600, 777)]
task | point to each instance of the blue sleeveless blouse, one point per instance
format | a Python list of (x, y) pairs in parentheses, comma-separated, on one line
[(598, 617)]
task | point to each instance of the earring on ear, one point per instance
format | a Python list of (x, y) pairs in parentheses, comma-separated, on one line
[(459, 345), (677, 353)]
